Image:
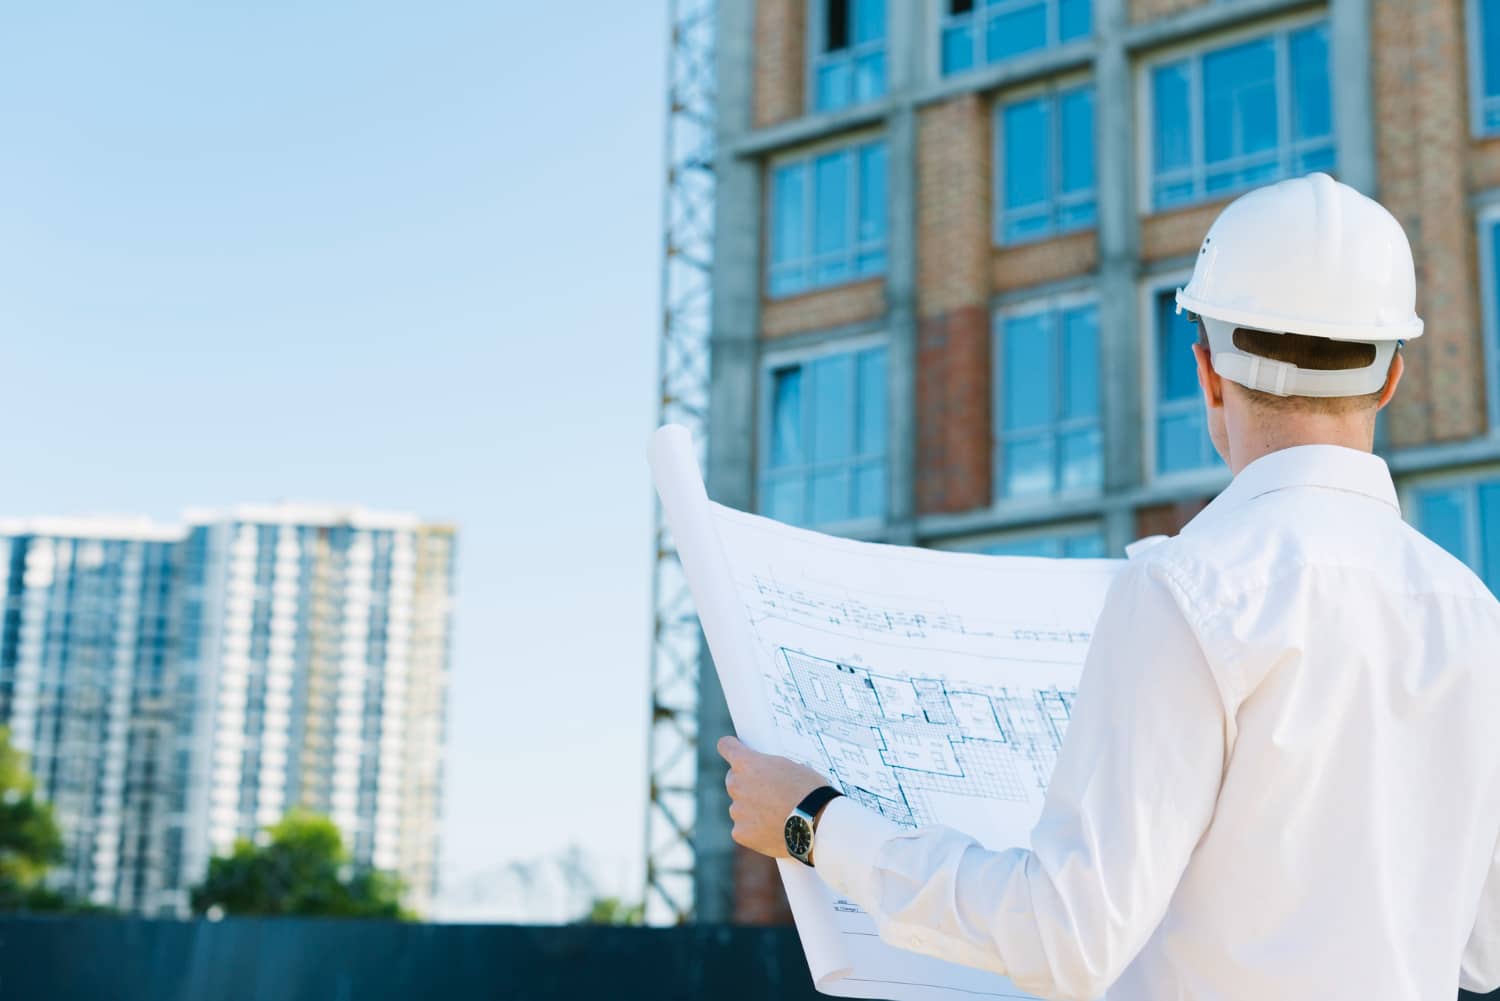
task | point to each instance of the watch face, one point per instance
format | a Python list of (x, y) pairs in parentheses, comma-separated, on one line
[(799, 836)]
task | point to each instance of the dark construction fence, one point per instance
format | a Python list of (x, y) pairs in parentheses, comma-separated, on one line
[(297, 959), (294, 959)]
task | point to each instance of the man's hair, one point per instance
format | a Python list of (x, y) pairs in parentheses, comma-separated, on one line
[(1304, 351)]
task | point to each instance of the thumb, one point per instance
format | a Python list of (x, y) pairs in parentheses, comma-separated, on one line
[(730, 749)]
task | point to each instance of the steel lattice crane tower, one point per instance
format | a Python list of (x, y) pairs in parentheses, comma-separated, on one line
[(687, 298)]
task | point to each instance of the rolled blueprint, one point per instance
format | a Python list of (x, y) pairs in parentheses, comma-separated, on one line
[(934, 687)]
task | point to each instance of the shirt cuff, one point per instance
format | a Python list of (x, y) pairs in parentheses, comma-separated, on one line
[(848, 838)]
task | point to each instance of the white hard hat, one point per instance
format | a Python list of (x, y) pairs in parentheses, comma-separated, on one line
[(1304, 256)]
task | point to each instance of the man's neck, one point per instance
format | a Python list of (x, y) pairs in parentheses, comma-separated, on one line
[(1262, 437)]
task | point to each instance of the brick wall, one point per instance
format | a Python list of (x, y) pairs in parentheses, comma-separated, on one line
[(1177, 234), (1154, 10), (825, 308), (1166, 519), (1421, 131), (759, 898), (1484, 164), (953, 421), (953, 204), (780, 67), (1044, 261), (953, 291)]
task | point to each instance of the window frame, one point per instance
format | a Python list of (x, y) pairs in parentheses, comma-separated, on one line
[(1053, 92), (1474, 40), (979, 18), (1055, 304), (1063, 531), (817, 58), (770, 361), (1469, 480), (1200, 477), (1280, 29), (806, 157), (1487, 222)]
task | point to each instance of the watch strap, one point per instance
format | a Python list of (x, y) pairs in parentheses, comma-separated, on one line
[(816, 800)]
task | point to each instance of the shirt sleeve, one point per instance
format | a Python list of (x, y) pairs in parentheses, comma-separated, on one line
[(1480, 969), (1134, 789)]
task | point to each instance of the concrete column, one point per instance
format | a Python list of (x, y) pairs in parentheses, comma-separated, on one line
[(1351, 78), (730, 465), (1119, 239), (904, 31), (1119, 530), (1353, 100)]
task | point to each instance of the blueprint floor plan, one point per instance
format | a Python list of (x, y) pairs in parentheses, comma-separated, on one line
[(934, 687), (902, 745)]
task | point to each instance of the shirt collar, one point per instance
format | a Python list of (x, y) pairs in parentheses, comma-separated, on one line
[(1330, 467)]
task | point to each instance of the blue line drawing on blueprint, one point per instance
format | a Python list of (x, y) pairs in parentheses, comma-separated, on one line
[(892, 742), (896, 620)]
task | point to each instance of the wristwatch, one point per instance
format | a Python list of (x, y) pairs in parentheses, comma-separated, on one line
[(802, 822)]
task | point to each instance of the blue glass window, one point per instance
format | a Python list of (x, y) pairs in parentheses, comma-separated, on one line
[(980, 32), (1464, 519), (1047, 407), (1484, 50), (849, 67), (1045, 160), (1182, 442), (1240, 116), (1075, 545), (1312, 101), (825, 460), (1490, 241), (828, 219)]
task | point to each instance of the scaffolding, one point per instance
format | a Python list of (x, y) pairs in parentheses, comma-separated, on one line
[(687, 265)]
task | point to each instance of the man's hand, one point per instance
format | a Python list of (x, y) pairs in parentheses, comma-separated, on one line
[(763, 789)]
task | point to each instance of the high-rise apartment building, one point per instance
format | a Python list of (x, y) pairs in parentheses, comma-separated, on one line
[(312, 675), (86, 646), (948, 233), (178, 688)]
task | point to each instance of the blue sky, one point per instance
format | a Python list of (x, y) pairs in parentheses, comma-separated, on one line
[(404, 256)]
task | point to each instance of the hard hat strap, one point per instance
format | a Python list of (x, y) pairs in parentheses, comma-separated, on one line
[(1281, 378)]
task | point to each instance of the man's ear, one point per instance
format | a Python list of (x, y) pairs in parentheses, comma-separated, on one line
[(1208, 379), (1398, 366)]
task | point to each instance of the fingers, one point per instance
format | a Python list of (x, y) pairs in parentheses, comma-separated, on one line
[(730, 749), (739, 832)]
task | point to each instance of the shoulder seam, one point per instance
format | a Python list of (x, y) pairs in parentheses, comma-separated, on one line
[(1191, 604)]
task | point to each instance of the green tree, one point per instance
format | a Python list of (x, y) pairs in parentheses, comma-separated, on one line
[(614, 911), (302, 870), (30, 842)]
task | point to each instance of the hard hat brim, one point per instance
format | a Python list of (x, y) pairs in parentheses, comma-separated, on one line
[(1257, 320)]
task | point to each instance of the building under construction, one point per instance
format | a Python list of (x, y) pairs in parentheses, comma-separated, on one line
[(947, 236)]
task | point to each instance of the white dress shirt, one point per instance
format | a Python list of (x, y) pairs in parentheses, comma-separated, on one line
[(1281, 780)]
